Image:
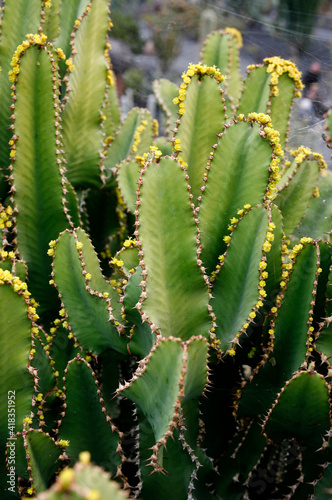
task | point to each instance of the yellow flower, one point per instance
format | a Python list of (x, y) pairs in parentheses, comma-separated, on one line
[(64, 443), (266, 246)]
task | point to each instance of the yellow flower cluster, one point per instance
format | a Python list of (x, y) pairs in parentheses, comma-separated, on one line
[(199, 70), (38, 39), (236, 34), (64, 442), (70, 64), (155, 125), (263, 275), (116, 262), (302, 153), (156, 152), (129, 243), (52, 245), (297, 248), (60, 53), (4, 254), (4, 217), (316, 193), (140, 160), (177, 144), (118, 284), (18, 286), (32, 313), (110, 79), (137, 135), (274, 137), (183, 163), (228, 237), (5, 276), (48, 4), (277, 67)]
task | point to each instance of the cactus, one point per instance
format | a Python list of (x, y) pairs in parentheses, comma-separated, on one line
[(165, 301)]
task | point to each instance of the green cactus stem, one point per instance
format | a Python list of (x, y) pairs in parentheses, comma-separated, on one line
[(85, 424), (271, 88), (82, 113), (86, 297), (37, 177), (236, 177), (221, 49), (17, 19), (193, 134), (18, 375), (171, 272)]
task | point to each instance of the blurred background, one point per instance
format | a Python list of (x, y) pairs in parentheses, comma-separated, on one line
[(152, 39)]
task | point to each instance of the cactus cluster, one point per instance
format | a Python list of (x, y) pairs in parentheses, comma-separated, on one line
[(165, 301)]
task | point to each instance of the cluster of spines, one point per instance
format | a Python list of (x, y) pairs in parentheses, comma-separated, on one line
[(190, 451)]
